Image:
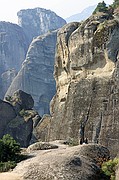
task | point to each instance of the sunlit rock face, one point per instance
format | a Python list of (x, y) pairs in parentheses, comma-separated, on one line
[(38, 21), (36, 74), (13, 48), (86, 103)]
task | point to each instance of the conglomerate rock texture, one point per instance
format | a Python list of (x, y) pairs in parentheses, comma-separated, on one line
[(36, 74), (86, 103), (13, 48), (38, 21)]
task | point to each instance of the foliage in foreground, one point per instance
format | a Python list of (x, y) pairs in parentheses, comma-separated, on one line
[(6, 166), (9, 149), (109, 168), (10, 153)]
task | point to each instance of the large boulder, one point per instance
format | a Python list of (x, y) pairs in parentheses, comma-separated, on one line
[(38, 21), (7, 113), (36, 74), (20, 129), (86, 71), (72, 163), (17, 117)]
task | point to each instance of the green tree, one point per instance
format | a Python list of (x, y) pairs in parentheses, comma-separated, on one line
[(9, 149), (101, 7), (115, 4)]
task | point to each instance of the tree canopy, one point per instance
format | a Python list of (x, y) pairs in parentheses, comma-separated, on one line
[(101, 7), (115, 3)]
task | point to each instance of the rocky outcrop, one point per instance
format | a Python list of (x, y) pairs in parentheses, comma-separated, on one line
[(41, 146), (7, 113), (71, 163), (20, 130), (38, 21), (21, 100), (13, 47), (36, 74), (17, 117), (86, 72)]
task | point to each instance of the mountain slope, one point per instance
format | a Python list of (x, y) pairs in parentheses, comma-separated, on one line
[(82, 15)]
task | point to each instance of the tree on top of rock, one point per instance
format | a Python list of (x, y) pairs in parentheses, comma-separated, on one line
[(101, 7), (115, 3)]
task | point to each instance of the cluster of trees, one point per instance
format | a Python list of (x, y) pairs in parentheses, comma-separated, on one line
[(102, 7)]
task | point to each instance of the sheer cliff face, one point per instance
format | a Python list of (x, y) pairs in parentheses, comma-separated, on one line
[(86, 71), (13, 47), (36, 74), (38, 21)]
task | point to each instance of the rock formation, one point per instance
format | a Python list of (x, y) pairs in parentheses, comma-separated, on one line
[(86, 72), (7, 113), (13, 47), (17, 117), (64, 163), (38, 21), (36, 74)]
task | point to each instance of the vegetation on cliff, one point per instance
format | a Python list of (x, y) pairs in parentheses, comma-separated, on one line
[(102, 7), (115, 4)]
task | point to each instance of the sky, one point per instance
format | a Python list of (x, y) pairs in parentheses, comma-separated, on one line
[(63, 8)]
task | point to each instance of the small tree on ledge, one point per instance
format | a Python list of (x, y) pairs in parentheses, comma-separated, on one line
[(101, 7)]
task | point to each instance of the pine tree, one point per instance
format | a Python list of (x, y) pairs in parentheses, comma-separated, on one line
[(115, 3), (101, 7)]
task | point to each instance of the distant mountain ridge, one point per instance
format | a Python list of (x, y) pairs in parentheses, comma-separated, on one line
[(82, 15)]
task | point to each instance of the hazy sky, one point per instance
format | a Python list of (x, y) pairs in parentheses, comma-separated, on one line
[(63, 8)]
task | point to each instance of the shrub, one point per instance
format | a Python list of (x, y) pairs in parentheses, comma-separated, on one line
[(5, 166), (9, 149), (10, 153), (109, 168)]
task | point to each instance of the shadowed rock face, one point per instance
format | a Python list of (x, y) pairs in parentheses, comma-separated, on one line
[(86, 71), (36, 74), (17, 117), (13, 47), (7, 113), (38, 21)]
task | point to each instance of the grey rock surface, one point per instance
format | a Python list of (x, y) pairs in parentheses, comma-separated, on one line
[(86, 103), (41, 146), (20, 130), (6, 79), (24, 100), (38, 21), (36, 74), (65, 163), (17, 117), (7, 113), (13, 48)]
